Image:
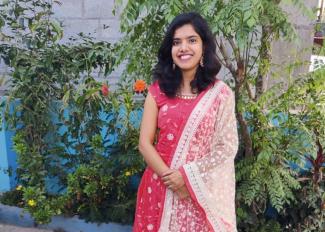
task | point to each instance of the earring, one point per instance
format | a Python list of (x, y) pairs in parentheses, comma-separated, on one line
[(201, 62), (174, 66)]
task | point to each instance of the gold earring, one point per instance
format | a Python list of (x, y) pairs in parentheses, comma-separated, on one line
[(174, 66), (201, 62)]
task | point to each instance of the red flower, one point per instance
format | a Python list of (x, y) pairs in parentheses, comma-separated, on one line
[(105, 90), (139, 86)]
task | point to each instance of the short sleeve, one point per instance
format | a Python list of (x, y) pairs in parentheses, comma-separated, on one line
[(157, 94)]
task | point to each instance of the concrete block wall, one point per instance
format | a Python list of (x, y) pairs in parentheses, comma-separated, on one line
[(285, 53), (90, 16), (94, 17), (86, 16)]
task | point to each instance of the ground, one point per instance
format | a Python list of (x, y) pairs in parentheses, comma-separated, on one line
[(10, 228)]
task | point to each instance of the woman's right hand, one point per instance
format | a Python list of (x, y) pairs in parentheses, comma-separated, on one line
[(182, 192)]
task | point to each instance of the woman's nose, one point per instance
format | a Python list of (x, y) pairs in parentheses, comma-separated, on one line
[(183, 46)]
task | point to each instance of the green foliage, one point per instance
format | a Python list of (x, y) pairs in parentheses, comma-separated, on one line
[(62, 119), (101, 192), (307, 214), (287, 173), (257, 222), (42, 206), (308, 97), (100, 187), (3, 81), (13, 198), (144, 23), (261, 183)]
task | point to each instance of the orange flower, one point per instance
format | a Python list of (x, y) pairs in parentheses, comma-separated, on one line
[(139, 86), (105, 90)]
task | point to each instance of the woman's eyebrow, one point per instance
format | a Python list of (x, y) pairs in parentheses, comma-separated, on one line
[(189, 37)]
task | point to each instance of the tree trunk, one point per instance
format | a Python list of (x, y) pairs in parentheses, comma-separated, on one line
[(265, 60), (244, 131)]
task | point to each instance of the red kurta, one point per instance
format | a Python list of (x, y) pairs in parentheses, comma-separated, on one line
[(172, 117)]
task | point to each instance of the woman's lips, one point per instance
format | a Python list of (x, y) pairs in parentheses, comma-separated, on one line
[(185, 57)]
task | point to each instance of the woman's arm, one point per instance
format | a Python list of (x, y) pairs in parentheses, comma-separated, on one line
[(147, 135)]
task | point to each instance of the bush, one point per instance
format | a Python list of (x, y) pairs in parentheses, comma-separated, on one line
[(66, 123)]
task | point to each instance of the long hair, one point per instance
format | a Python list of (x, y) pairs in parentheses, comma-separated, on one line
[(170, 79)]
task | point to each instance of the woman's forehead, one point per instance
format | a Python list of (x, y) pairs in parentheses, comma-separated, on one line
[(185, 31)]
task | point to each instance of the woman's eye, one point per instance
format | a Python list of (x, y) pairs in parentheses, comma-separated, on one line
[(176, 43), (192, 40)]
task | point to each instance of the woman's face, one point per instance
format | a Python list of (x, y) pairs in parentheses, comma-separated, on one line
[(187, 48)]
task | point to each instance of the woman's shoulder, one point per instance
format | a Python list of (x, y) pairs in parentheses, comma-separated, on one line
[(157, 94), (154, 84), (224, 88), (154, 89)]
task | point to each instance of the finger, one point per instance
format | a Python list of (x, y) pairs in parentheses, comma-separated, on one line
[(167, 173), (172, 187), (170, 177), (168, 183), (165, 178), (177, 187)]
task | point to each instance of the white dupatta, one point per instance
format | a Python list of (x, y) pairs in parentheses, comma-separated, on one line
[(210, 136)]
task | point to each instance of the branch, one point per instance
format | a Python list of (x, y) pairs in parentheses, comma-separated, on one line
[(240, 62), (257, 57), (249, 91), (243, 126), (247, 56), (226, 57), (221, 60), (264, 65), (235, 49)]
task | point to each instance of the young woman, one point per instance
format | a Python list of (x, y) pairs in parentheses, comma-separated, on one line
[(189, 184)]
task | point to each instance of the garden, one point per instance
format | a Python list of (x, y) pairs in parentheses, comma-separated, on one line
[(76, 137)]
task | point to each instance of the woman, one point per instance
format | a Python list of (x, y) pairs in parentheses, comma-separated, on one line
[(189, 184)]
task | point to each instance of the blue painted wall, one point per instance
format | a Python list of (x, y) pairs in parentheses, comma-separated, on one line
[(7, 158)]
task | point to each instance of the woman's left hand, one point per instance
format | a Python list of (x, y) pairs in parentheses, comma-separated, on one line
[(173, 179)]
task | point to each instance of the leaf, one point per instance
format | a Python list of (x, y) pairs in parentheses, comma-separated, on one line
[(2, 21), (66, 98), (251, 22), (57, 29), (58, 2), (264, 156)]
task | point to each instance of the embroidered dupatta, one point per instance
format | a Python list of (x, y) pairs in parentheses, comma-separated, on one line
[(205, 157)]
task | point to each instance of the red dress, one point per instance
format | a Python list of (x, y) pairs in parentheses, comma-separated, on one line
[(172, 116)]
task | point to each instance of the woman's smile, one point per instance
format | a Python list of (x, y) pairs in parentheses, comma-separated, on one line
[(187, 48), (185, 57)]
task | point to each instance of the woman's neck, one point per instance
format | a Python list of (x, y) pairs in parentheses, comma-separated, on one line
[(187, 77)]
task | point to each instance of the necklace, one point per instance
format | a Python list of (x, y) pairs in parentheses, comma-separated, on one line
[(186, 96)]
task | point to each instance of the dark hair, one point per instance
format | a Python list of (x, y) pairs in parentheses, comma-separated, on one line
[(169, 80)]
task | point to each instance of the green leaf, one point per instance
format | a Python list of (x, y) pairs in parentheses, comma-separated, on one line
[(251, 22), (2, 22)]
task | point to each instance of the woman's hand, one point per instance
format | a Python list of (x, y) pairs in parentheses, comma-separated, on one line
[(183, 192), (173, 179)]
